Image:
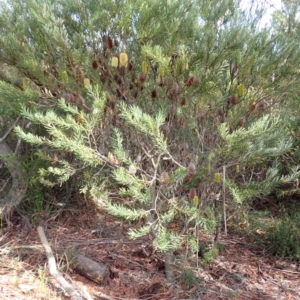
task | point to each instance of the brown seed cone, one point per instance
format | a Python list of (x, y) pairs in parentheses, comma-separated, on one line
[(181, 121), (122, 90), (102, 77), (191, 169), (130, 66), (233, 99), (153, 93), (118, 79), (122, 71), (164, 178), (183, 101), (222, 119), (116, 43), (187, 178), (241, 122), (192, 80), (172, 109), (263, 104), (78, 73), (220, 112), (192, 193), (95, 64), (175, 89), (110, 42), (135, 94), (253, 107), (142, 77)]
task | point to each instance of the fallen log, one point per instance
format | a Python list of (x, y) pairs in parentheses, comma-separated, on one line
[(89, 268)]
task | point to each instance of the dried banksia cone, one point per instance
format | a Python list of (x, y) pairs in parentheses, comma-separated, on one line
[(181, 121), (217, 177), (130, 66), (153, 93), (112, 159), (191, 169), (253, 107), (142, 77), (263, 104), (172, 109), (122, 71), (241, 122), (220, 112), (67, 97), (102, 77), (118, 78), (175, 89), (233, 99), (123, 59), (164, 178), (73, 97), (192, 193), (95, 64), (78, 73), (110, 42), (222, 119), (183, 101), (114, 62), (122, 90), (168, 117), (192, 80)]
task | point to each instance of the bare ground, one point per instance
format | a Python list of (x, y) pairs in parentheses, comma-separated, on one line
[(241, 271)]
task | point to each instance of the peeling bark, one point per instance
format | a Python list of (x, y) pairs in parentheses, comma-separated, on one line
[(19, 184)]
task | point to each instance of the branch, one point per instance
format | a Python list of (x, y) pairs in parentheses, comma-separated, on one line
[(19, 184), (9, 130), (75, 295)]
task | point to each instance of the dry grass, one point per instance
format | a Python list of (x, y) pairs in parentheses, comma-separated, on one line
[(18, 280)]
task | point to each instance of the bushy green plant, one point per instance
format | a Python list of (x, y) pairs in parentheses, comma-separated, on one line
[(154, 102), (283, 238)]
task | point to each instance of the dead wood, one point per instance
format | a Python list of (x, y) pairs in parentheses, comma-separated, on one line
[(75, 295), (89, 268)]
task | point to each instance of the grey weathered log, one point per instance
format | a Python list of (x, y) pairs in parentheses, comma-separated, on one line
[(19, 184), (89, 268)]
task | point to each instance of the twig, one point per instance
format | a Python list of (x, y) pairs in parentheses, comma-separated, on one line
[(224, 201), (75, 295), (9, 130)]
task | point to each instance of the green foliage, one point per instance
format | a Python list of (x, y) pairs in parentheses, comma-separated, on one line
[(189, 278), (203, 90), (283, 238), (211, 254)]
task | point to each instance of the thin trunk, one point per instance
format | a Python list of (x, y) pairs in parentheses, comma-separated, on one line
[(19, 185)]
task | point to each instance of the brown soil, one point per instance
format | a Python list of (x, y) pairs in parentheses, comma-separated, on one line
[(241, 271)]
